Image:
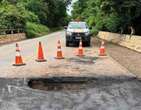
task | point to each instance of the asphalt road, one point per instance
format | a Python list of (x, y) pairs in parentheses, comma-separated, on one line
[(102, 94), (112, 86), (90, 65)]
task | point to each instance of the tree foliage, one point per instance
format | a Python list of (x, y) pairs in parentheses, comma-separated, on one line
[(109, 15), (20, 13)]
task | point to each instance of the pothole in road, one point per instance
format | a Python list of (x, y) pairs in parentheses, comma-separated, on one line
[(84, 60), (60, 84)]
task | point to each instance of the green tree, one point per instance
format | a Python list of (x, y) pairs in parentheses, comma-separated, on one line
[(109, 15), (37, 13)]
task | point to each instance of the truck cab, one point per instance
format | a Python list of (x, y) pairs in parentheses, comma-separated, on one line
[(76, 31)]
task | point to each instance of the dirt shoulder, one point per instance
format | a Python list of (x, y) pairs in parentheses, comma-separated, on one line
[(126, 57)]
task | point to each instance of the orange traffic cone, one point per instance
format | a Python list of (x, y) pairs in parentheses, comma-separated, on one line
[(102, 51), (40, 57), (18, 58), (59, 51), (80, 51)]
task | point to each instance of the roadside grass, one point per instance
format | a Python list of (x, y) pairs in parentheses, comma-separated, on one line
[(34, 30), (55, 29)]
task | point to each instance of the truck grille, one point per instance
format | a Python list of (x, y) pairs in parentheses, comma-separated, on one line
[(79, 34)]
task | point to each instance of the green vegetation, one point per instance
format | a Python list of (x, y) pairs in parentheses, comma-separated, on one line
[(38, 17), (35, 30), (109, 15), (35, 17)]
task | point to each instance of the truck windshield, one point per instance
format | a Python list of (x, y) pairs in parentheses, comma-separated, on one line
[(77, 26)]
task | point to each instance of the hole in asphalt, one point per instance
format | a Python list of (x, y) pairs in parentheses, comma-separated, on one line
[(59, 84), (77, 83)]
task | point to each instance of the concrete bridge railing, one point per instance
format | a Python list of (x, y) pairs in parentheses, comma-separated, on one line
[(122, 39), (7, 38)]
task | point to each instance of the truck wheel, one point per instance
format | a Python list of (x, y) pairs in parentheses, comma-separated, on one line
[(88, 44), (67, 43)]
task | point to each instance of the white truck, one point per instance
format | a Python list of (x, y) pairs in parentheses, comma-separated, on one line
[(76, 31)]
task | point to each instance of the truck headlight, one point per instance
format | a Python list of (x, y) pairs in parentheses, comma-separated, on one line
[(87, 33), (69, 33)]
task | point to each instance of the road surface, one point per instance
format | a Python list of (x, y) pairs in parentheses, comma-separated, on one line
[(115, 88), (102, 94), (90, 65)]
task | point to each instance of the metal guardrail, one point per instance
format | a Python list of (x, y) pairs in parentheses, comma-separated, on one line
[(11, 31)]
